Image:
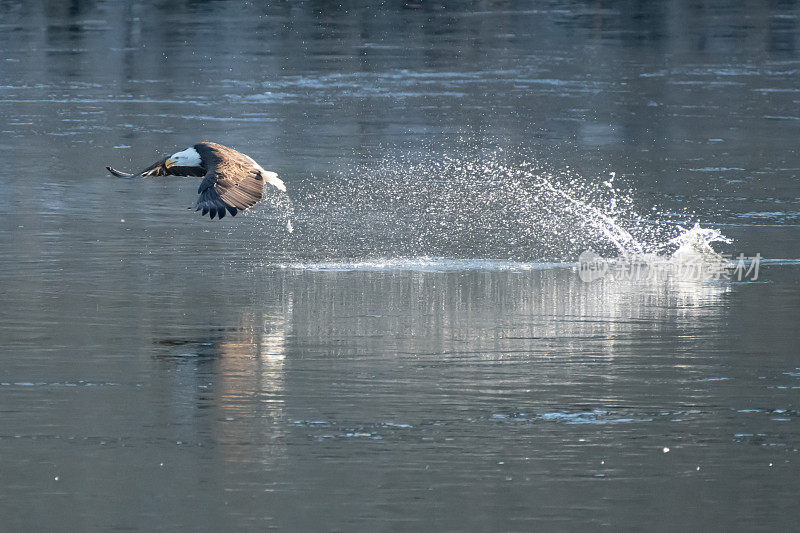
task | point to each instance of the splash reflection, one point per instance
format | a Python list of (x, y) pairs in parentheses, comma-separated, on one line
[(487, 342)]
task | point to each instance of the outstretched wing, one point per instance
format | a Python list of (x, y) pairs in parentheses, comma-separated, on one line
[(230, 185), (159, 168)]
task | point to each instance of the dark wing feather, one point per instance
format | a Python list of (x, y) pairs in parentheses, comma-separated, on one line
[(232, 184), (159, 168)]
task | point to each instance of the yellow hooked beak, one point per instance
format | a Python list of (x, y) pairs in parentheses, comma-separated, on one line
[(169, 163)]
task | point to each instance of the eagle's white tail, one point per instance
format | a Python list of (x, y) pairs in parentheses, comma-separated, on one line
[(273, 179)]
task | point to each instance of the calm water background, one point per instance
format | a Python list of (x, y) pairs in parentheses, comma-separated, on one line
[(160, 371)]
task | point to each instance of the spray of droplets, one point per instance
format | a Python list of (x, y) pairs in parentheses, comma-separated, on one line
[(480, 203)]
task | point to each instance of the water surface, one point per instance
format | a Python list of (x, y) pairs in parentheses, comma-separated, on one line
[(420, 353)]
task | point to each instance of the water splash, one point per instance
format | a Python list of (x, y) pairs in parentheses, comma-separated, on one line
[(619, 236), (277, 204), (497, 204), (695, 244)]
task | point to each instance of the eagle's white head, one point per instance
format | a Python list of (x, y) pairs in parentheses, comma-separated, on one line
[(186, 158)]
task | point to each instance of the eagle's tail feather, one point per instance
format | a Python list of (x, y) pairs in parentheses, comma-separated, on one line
[(274, 180)]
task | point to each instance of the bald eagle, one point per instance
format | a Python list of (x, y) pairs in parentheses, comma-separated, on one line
[(232, 181)]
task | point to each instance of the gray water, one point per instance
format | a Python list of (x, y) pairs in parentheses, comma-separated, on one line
[(420, 354)]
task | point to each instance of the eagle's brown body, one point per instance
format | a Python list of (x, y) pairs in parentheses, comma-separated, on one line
[(232, 181)]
